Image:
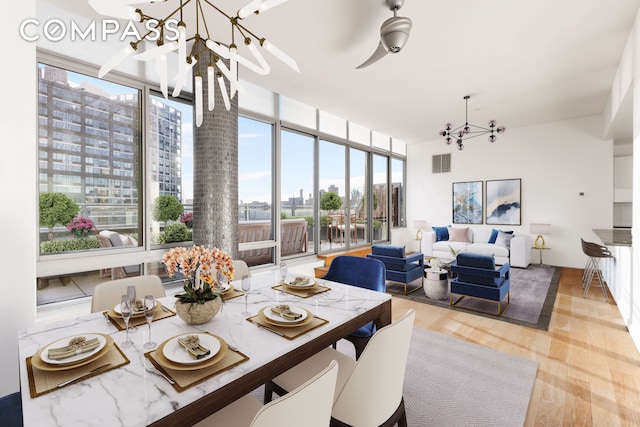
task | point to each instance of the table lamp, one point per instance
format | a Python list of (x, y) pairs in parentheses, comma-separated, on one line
[(540, 230), (420, 224)]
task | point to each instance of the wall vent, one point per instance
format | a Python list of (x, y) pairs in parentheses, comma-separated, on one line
[(441, 163)]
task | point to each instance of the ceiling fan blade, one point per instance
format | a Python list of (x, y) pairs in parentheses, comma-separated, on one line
[(380, 52)]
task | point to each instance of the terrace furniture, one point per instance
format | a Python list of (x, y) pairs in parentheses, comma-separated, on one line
[(309, 405), (112, 239), (368, 390), (479, 278), (107, 294), (362, 272), (293, 239), (399, 267)]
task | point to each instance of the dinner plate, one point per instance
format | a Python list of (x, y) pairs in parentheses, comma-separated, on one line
[(175, 353), (277, 318), (309, 284), (166, 363), (224, 287), (44, 355), (118, 311), (39, 363), (308, 317)]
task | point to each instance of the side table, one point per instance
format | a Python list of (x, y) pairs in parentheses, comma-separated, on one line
[(436, 284), (540, 253)]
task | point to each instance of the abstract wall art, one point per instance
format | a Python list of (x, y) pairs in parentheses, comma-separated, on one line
[(503, 201), (467, 202)]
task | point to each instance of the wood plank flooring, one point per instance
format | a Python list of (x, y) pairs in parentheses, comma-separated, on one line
[(589, 368)]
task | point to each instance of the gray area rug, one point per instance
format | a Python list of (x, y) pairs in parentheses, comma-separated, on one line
[(451, 382), (533, 293)]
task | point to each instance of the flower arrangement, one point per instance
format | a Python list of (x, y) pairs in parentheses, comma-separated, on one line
[(187, 219), (81, 227), (201, 268), (454, 252)]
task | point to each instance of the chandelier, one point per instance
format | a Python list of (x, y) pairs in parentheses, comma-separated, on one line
[(468, 131), (170, 34)]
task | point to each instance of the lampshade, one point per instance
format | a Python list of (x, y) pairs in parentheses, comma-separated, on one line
[(544, 229), (540, 230)]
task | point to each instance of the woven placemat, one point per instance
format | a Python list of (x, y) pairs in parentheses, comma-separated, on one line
[(161, 312), (231, 293), (288, 332), (185, 379), (301, 292), (42, 382)]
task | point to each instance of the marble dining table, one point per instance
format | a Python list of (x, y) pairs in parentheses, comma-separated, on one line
[(131, 395)]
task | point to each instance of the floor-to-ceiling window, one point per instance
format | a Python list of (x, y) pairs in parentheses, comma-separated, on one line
[(358, 192), (332, 195), (379, 197), (397, 193), (296, 193)]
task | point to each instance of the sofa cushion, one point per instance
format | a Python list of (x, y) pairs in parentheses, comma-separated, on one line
[(494, 235), (115, 238), (504, 239), (490, 249), (446, 246), (442, 233), (459, 234), (388, 250)]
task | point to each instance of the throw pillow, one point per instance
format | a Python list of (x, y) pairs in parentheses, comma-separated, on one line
[(442, 233), (504, 239), (494, 235), (459, 234)]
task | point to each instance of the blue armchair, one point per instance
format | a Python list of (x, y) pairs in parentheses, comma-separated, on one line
[(478, 277), (363, 273), (400, 268)]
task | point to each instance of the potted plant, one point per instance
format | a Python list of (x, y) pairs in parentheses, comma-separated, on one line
[(56, 208), (81, 227), (202, 270), (166, 208)]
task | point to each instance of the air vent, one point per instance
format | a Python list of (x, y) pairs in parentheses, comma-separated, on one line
[(441, 163)]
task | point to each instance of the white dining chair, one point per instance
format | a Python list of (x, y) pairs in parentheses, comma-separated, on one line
[(368, 390), (241, 269), (308, 405), (107, 294)]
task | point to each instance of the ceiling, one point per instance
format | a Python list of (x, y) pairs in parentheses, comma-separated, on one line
[(522, 62)]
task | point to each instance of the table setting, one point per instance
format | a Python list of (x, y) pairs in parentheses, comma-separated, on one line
[(239, 353)]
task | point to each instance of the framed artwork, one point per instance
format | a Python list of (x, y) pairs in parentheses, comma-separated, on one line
[(503, 201), (467, 202)]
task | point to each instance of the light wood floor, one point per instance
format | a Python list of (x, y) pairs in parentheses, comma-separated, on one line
[(589, 368)]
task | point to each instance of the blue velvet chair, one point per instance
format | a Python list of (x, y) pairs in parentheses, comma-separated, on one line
[(478, 277), (400, 268), (11, 410), (364, 273)]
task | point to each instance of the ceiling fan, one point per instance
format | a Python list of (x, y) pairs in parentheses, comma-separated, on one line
[(394, 33)]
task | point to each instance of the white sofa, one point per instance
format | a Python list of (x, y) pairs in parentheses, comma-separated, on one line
[(517, 255)]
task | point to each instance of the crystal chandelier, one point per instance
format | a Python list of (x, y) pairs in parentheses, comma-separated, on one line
[(171, 34), (467, 130)]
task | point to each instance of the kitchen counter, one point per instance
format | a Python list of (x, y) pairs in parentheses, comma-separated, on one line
[(614, 236)]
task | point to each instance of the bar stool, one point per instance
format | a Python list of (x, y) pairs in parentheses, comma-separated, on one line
[(595, 253)]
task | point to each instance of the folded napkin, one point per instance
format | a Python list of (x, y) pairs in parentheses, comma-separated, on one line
[(191, 343), (76, 345), (138, 306), (299, 281), (284, 310)]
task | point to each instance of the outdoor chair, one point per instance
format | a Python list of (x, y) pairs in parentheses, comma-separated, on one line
[(368, 390), (308, 405), (362, 272), (478, 277), (400, 268)]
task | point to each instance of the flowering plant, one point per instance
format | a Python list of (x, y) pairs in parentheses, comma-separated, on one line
[(81, 227), (201, 268), (187, 219)]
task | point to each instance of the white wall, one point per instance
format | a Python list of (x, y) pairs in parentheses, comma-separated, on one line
[(18, 174), (556, 161)]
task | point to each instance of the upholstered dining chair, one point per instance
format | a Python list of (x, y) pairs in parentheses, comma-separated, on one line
[(369, 390), (362, 272), (308, 405), (107, 294), (240, 269)]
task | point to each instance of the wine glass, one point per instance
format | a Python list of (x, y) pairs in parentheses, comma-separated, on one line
[(131, 296), (246, 287), (149, 308), (283, 272), (126, 311)]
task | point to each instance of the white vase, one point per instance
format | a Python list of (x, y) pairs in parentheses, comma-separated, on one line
[(195, 313)]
